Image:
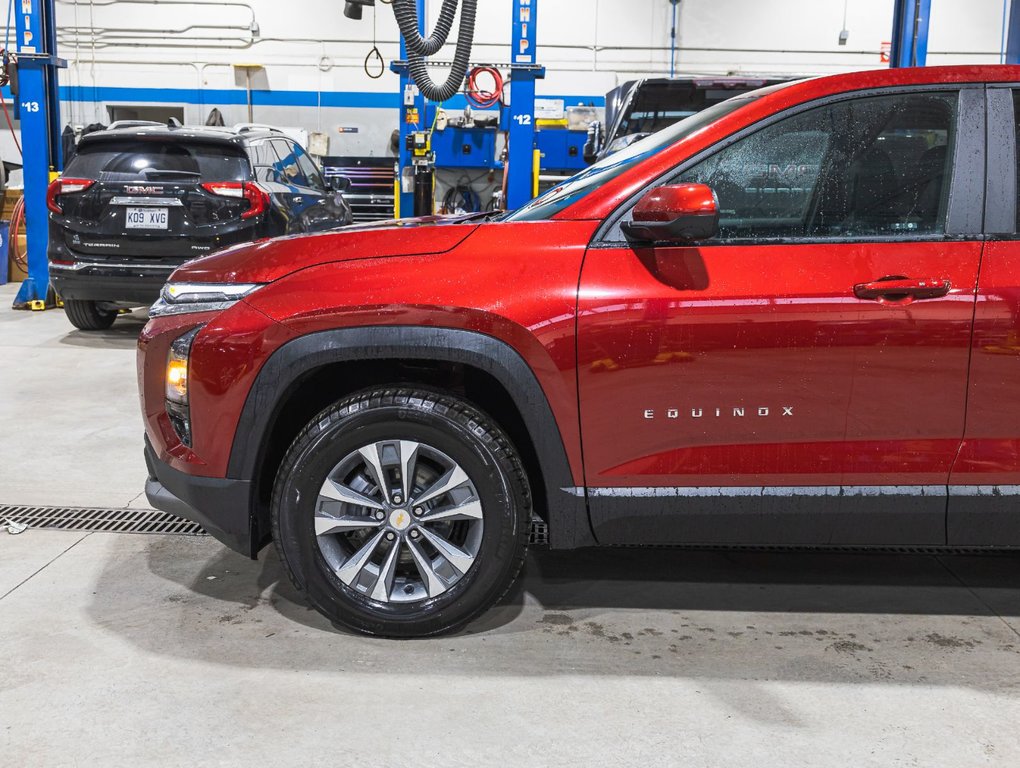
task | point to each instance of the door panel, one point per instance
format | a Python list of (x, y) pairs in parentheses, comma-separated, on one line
[(757, 365)]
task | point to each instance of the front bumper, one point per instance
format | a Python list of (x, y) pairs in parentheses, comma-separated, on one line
[(220, 505)]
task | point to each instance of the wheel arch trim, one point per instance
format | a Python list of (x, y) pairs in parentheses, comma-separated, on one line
[(569, 524)]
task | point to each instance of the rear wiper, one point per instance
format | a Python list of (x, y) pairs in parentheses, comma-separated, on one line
[(149, 172)]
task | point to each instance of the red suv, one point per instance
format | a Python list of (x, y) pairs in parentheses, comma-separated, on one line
[(791, 319)]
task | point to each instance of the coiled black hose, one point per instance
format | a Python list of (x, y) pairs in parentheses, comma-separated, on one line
[(404, 10), (407, 20)]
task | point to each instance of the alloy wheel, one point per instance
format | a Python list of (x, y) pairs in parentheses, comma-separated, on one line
[(398, 521)]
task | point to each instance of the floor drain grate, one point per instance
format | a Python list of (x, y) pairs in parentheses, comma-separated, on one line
[(143, 521), (98, 519)]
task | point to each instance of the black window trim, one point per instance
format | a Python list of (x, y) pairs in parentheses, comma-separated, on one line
[(965, 213), (1001, 177)]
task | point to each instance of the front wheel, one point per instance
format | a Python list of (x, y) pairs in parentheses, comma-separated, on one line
[(401, 512)]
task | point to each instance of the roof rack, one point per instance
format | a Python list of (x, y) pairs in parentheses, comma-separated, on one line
[(246, 127), (131, 124)]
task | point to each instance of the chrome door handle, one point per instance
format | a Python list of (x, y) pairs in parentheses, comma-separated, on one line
[(902, 289)]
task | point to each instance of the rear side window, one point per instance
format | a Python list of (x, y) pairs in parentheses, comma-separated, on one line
[(877, 165), (158, 161)]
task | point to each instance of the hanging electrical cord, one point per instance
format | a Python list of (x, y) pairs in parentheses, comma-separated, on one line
[(418, 47), (477, 96), (374, 53)]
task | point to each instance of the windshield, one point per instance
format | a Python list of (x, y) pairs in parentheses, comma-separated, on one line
[(573, 189)]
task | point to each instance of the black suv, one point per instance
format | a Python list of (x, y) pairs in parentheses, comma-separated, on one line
[(135, 203)]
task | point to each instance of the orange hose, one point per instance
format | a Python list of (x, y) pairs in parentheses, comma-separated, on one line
[(17, 219)]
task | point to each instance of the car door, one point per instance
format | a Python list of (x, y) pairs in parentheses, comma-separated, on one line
[(985, 481), (764, 386)]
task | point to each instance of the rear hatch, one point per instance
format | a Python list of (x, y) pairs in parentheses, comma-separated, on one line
[(161, 198)]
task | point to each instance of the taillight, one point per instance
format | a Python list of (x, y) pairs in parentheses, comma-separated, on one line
[(258, 199), (64, 186)]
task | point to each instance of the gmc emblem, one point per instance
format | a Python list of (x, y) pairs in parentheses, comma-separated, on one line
[(139, 190)]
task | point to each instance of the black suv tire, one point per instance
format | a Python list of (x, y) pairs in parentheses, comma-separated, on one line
[(448, 426), (87, 315)]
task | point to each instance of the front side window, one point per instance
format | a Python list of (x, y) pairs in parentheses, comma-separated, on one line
[(877, 165), (288, 167), (309, 169)]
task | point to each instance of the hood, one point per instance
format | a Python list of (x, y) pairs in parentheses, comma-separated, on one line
[(268, 260)]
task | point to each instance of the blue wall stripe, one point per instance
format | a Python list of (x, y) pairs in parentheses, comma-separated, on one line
[(222, 96)]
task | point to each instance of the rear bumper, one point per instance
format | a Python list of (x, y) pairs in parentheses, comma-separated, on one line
[(137, 285), (220, 505)]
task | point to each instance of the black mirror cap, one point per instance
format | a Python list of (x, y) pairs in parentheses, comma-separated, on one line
[(689, 228)]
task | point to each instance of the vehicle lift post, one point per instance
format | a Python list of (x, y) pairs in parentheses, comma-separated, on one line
[(910, 33), (1013, 30), (521, 171), (37, 105)]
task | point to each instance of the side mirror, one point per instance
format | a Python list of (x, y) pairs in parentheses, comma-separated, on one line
[(681, 213), (338, 183)]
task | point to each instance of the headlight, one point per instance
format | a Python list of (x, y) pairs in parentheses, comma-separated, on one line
[(177, 363), (181, 298)]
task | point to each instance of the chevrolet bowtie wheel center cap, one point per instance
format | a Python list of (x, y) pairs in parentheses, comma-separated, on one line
[(400, 519)]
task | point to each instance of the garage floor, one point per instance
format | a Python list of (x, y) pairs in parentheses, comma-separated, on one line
[(120, 650)]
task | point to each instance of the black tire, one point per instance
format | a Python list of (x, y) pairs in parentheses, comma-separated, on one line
[(446, 423), (87, 315)]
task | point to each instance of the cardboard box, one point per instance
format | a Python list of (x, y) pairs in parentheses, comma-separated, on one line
[(15, 272), (10, 199)]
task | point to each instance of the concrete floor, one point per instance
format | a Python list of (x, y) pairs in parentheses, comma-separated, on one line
[(126, 650)]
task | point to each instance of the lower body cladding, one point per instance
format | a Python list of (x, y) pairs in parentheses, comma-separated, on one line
[(134, 283), (809, 516), (221, 506)]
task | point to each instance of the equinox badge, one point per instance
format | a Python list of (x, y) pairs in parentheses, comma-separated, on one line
[(736, 411)]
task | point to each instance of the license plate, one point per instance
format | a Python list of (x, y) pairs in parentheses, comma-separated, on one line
[(146, 218)]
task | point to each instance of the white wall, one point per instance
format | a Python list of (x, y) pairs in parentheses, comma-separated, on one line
[(588, 46)]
